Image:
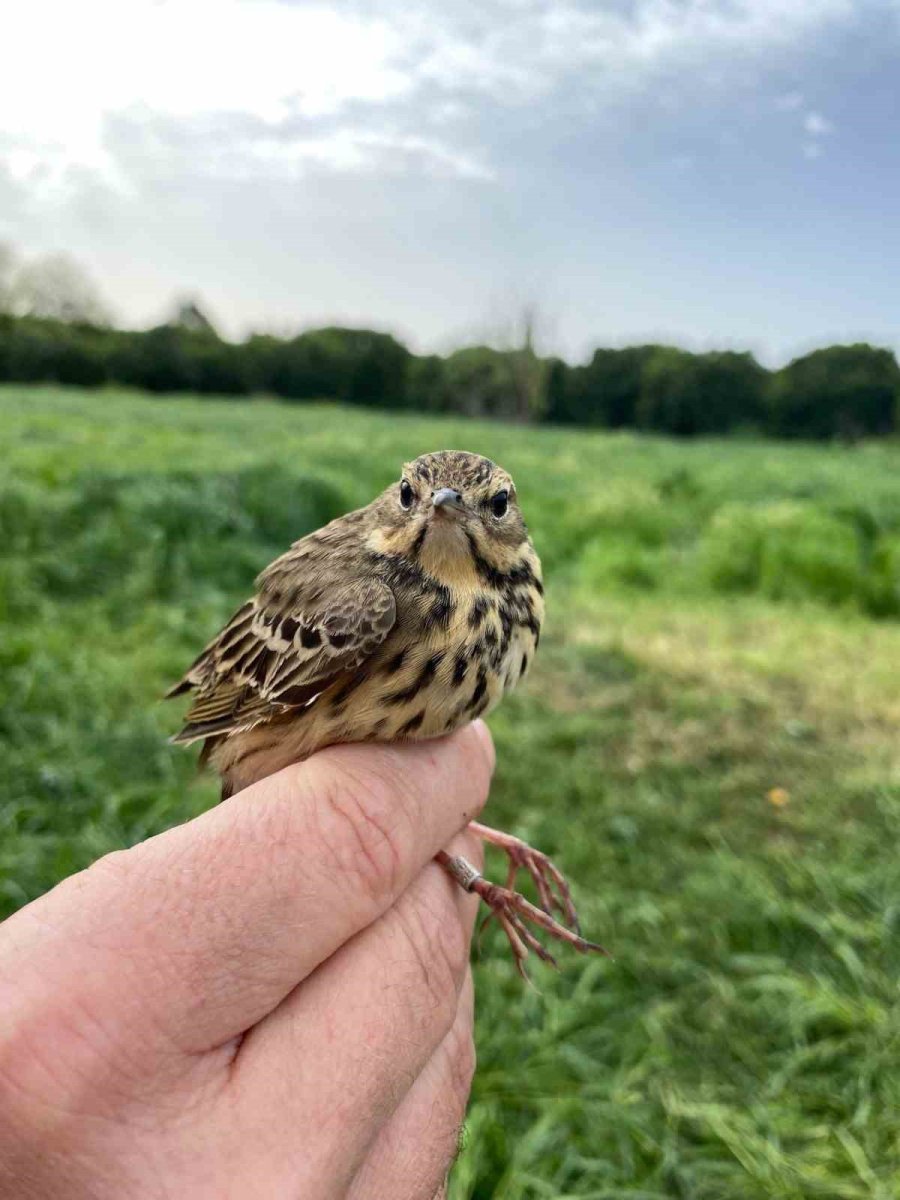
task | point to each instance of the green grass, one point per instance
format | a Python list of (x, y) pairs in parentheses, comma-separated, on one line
[(721, 622)]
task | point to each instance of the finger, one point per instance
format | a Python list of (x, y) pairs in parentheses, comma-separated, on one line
[(351, 1040), (197, 934), (412, 1154)]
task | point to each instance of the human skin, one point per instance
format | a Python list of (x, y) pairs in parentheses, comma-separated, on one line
[(272, 1000)]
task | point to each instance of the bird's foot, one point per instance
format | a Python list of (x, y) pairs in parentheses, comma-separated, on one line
[(515, 914), (553, 890)]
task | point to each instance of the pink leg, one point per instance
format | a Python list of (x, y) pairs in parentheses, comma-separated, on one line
[(552, 888), (513, 911)]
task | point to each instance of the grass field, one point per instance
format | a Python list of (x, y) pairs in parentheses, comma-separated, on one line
[(708, 745)]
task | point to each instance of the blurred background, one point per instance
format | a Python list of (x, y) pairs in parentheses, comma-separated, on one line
[(255, 255)]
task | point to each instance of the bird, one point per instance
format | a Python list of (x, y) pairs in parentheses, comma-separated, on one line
[(399, 621)]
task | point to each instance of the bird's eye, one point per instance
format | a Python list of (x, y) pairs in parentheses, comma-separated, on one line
[(500, 503), (406, 494)]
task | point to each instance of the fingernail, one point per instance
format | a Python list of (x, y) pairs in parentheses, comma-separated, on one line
[(487, 742)]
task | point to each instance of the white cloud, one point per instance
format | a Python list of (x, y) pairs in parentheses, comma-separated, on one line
[(516, 51), (350, 150), (816, 125), (65, 67), (66, 70), (290, 157)]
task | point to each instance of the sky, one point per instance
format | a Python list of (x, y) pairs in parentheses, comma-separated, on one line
[(712, 173)]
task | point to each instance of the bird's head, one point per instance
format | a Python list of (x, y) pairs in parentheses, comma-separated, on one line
[(454, 514)]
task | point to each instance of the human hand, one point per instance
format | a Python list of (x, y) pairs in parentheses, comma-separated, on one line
[(272, 1000)]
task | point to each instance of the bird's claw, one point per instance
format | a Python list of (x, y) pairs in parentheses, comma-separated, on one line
[(552, 888), (515, 914), (553, 891)]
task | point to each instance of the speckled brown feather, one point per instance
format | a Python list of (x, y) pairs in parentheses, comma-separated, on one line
[(386, 624)]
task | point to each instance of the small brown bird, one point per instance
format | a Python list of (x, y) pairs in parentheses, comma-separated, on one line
[(404, 619)]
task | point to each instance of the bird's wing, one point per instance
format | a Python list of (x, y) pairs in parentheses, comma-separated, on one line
[(310, 622)]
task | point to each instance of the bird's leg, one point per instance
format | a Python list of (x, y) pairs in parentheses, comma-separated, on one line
[(514, 913), (552, 889)]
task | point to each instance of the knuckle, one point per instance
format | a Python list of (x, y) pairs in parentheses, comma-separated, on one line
[(361, 826)]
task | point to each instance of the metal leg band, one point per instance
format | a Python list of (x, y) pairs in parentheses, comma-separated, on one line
[(463, 872)]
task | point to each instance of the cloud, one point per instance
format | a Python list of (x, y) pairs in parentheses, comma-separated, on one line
[(408, 81), (519, 51), (816, 125), (297, 158), (250, 57)]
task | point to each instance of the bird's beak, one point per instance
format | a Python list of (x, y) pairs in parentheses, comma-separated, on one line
[(449, 501)]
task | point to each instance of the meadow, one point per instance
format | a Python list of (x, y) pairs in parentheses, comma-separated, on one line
[(707, 745)]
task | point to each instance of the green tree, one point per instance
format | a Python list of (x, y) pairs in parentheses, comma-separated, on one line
[(358, 366), (605, 392), (171, 358), (478, 382), (33, 350), (560, 380), (427, 384), (527, 370), (686, 394), (838, 391)]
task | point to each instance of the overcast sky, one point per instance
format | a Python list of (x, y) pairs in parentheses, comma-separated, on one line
[(711, 172)]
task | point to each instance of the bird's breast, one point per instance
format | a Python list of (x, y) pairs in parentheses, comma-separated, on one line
[(449, 659)]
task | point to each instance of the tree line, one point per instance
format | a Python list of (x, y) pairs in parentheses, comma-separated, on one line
[(55, 328), (838, 391)]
